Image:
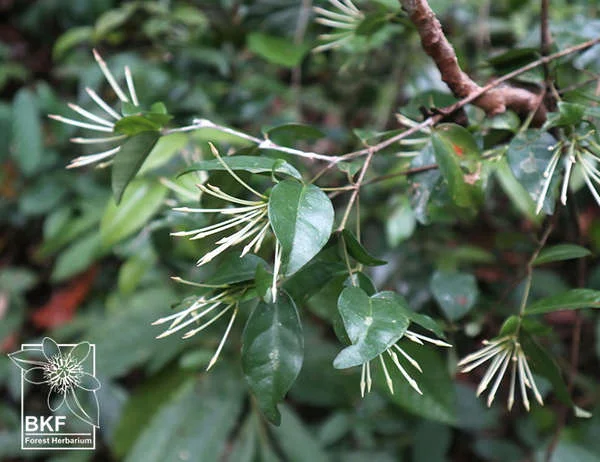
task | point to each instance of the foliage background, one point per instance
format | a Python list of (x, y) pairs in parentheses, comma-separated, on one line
[(67, 273)]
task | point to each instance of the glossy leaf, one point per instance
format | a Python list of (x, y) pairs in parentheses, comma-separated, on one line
[(568, 114), (373, 325), (358, 252), (141, 201), (561, 252), (252, 164), (272, 352), (301, 216), (456, 293), (448, 161), (571, 300), (233, 269), (129, 159), (528, 156)]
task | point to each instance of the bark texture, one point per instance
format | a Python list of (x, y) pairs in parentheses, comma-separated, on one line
[(436, 45)]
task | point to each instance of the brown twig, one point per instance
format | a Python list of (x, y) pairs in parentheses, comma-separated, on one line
[(437, 46)]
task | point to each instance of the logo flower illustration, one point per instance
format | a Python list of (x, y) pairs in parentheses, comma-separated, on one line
[(62, 369)]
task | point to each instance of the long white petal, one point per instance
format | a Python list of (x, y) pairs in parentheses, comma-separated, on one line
[(349, 9), (193, 332), (215, 357), (408, 378), (100, 102), (131, 86), (77, 123), (335, 24), (536, 392), (409, 358), (549, 173), (334, 15), (491, 372), (107, 139), (521, 371), (109, 77), (513, 372), (567, 177), (498, 380), (89, 115), (86, 160), (388, 379)]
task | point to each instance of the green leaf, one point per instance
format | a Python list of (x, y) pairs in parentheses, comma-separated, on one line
[(277, 50), (301, 216), (373, 325), (27, 132), (113, 19), (272, 352), (462, 143), (118, 354), (542, 363), (456, 293), (141, 122), (296, 441), (400, 224), (438, 401), (372, 23), (233, 269), (252, 164), (568, 114), (448, 161), (196, 421), (358, 252), (141, 201), (77, 257), (515, 190), (528, 156), (561, 252), (164, 150), (129, 159), (143, 404), (72, 37), (571, 300)]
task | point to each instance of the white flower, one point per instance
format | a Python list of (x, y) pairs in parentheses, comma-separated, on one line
[(365, 376), (100, 124), (503, 352), (212, 305), (249, 217), (344, 20), (581, 150)]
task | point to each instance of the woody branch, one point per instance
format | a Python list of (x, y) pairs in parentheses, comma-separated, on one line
[(436, 45)]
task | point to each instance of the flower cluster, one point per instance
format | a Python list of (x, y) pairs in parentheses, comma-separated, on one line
[(344, 21), (503, 352), (365, 377), (213, 305), (250, 215), (579, 150), (97, 123)]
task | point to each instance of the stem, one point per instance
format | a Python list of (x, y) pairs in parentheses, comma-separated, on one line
[(529, 270), (262, 143), (356, 191)]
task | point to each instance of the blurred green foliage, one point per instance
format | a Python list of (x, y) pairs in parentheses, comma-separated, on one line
[(76, 266)]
